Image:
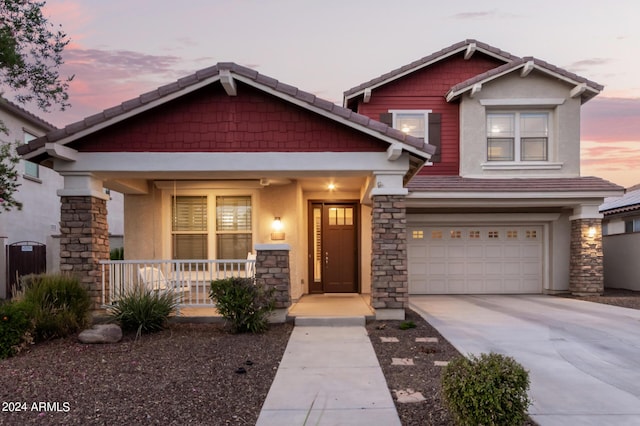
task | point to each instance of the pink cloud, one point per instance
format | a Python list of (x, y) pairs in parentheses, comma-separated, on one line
[(611, 119)]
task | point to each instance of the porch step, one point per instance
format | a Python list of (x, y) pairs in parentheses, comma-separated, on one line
[(330, 321)]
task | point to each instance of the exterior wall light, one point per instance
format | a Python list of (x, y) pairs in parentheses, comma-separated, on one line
[(277, 227), (591, 232)]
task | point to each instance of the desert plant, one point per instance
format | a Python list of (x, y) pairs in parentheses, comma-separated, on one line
[(15, 328), (116, 253), (406, 325), (487, 390), (143, 310), (57, 303), (242, 302)]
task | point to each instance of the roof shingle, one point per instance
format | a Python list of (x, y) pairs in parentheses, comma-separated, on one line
[(427, 184)]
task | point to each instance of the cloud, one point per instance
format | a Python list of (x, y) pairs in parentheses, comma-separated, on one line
[(474, 15), (585, 64)]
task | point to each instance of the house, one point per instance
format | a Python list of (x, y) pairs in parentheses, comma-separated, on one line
[(29, 237), (458, 173), (621, 240)]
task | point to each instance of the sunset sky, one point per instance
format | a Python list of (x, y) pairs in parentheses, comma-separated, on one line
[(120, 49)]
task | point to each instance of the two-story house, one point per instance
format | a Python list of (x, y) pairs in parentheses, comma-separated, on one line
[(458, 173), (29, 237)]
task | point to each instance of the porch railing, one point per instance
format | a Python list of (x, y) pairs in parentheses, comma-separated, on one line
[(189, 279)]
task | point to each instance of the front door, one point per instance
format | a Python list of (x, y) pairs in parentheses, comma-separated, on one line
[(333, 247)]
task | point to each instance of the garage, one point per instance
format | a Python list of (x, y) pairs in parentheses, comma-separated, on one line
[(485, 259)]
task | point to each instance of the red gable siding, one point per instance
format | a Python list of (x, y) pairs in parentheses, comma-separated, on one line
[(211, 121), (425, 89)]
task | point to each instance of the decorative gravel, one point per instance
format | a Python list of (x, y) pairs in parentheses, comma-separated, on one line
[(183, 375)]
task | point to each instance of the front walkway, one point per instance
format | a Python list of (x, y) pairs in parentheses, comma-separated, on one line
[(329, 375), (583, 358)]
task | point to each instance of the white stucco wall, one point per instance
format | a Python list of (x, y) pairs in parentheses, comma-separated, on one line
[(564, 144)]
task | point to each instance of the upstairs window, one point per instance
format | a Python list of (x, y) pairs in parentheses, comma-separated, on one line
[(30, 169), (422, 124), (632, 226), (517, 136)]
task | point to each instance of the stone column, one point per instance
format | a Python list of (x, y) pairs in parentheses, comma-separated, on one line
[(389, 280), (586, 261), (84, 241), (84, 232), (272, 271)]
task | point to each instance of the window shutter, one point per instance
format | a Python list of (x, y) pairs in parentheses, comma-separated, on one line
[(386, 118), (435, 125)]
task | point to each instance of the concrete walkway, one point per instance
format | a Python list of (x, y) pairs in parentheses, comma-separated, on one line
[(583, 358), (329, 375)]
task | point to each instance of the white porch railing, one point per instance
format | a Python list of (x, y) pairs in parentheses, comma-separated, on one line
[(190, 279)]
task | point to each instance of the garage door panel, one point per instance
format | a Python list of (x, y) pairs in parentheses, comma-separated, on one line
[(479, 259)]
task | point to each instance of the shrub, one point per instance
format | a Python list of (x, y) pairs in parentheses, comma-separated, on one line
[(487, 390), (243, 303), (15, 328), (58, 304), (116, 254), (406, 325), (143, 310)]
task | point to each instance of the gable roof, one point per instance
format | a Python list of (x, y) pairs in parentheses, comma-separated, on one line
[(585, 88), (469, 46), (22, 113), (227, 74), (627, 203)]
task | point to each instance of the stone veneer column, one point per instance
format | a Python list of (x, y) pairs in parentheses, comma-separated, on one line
[(84, 241), (272, 271), (389, 276), (586, 263)]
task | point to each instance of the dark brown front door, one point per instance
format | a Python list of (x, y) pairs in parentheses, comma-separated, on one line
[(333, 248)]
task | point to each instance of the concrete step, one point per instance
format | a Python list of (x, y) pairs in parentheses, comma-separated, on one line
[(330, 321)]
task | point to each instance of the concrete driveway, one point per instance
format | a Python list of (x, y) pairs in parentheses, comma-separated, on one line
[(583, 358)]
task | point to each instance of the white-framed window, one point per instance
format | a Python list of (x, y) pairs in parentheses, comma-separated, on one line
[(521, 136), (632, 225), (30, 169), (211, 226), (412, 122)]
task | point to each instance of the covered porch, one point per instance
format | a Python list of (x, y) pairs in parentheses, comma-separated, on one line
[(228, 164)]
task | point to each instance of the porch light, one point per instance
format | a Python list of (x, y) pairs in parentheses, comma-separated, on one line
[(331, 187), (276, 226), (591, 232)]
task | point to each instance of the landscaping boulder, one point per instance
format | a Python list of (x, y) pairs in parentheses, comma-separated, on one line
[(101, 333)]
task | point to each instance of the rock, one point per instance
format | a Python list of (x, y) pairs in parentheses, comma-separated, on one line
[(101, 333)]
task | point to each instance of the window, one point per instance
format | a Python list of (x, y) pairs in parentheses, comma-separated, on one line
[(189, 227), (517, 136), (455, 234), (30, 169), (418, 123), (632, 226), (417, 235), (233, 227), (436, 235), (494, 234), (474, 235), (512, 235), (531, 234)]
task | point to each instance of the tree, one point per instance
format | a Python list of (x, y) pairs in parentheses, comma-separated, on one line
[(30, 58)]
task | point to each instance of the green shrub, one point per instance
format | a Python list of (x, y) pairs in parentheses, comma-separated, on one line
[(487, 390), (58, 304), (116, 254), (243, 303), (406, 325), (15, 328), (143, 310)]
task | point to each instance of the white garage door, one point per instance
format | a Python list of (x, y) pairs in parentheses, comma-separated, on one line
[(475, 259)]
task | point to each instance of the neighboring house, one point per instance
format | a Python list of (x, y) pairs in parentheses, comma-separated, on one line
[(477, 189), (35, 228), (621, 241)]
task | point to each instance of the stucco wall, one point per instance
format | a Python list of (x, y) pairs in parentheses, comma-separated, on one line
[(564, 144), (621, 266), (559, 254)]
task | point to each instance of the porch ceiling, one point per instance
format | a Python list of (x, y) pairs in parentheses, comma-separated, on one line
[(139, 183)]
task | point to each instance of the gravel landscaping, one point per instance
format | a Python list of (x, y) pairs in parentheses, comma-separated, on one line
[(187, 375)]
